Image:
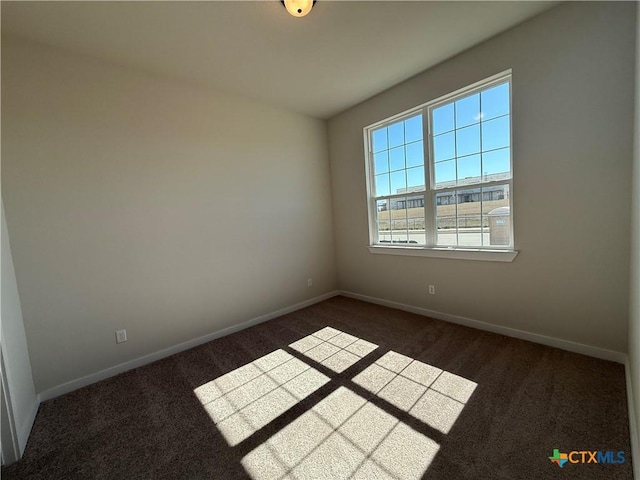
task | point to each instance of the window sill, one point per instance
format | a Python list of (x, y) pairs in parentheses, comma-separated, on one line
[(457, 253)]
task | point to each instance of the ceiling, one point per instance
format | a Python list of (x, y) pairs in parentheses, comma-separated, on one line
[(342, 53)]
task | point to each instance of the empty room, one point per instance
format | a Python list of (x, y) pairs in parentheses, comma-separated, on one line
[(320, 240)]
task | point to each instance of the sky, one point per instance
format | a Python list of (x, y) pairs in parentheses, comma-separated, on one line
[(470, 138)]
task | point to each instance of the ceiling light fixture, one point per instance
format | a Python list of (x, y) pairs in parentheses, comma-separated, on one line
[(298, 8)]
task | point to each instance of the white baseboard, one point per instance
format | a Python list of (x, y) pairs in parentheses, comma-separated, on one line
[(25, 429), (575, 347), (568, 345), (633, 426), (181, 347)]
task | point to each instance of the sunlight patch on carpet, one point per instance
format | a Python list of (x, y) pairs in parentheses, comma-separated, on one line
[(343, 436), (334, 349), (250, 397), (431, 395)]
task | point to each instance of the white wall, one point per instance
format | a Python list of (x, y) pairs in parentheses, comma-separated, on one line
[(573, 76), (163, 208), (634, 313), (17, 367)]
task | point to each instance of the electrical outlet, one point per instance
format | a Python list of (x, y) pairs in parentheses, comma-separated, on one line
[(309, 282), (121, 336), (432, 289)]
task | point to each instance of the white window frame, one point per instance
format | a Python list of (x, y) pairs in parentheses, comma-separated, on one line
[(490, 253)]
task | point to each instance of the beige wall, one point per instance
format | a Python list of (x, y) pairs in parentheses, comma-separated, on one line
[(634, 314), (573, 76), (141, 203), (15, 353)]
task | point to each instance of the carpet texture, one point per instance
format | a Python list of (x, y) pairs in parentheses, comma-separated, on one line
[(342, 389)]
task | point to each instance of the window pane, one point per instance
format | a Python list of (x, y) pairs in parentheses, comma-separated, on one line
[(468, 140), (468, 111), (396, 134), (494, 197), (398, 182), (469, 169), (383, 223), (496, 216), (443, 119), (399, 220), (415, 154), (399, 232), (413, 129), (496, 162), (495, 133), (407, 220), (415, 220), (396, 158), (446, 231), (448, 198), (469, 217), (495, 101), (445, 172), (382, 185), (462, 216), (380, 139), (381, 162), (444, 147), (415, 177), (474, 217)]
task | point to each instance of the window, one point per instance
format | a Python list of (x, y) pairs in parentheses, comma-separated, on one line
[(439, 176)]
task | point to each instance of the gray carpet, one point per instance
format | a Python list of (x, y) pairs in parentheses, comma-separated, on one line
[(341, 389)]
